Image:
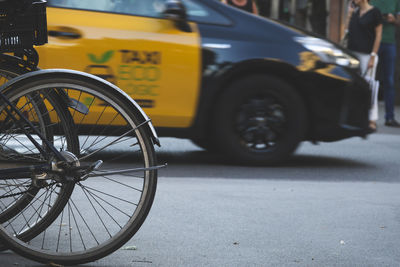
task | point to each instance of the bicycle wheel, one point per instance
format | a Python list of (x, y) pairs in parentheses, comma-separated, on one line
[(26, 201), (17, 194), (108, 204)]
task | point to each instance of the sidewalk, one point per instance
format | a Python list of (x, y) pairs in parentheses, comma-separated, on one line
[(381, 121)]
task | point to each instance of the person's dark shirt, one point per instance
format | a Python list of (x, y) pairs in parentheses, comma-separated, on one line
[(247, 7), (362, 30)]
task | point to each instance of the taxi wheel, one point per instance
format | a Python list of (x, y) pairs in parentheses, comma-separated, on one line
[(260, 120)]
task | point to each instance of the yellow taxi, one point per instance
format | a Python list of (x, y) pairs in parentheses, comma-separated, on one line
[(230, 81)]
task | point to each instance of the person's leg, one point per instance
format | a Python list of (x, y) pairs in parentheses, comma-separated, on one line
[(363, 58), (387, 54)]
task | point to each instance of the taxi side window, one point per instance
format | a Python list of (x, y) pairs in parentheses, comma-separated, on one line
[(98, 5), (202, 14), (196, 11), (149, 8)]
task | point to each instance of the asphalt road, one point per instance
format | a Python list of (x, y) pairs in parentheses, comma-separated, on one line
[(334, 204)]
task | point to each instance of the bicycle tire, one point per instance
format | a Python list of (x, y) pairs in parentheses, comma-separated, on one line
[(125, 198)]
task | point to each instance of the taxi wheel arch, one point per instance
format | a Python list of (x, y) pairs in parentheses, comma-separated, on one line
[(265, 105)]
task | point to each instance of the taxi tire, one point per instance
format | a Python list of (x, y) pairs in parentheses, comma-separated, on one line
[(259, 87)]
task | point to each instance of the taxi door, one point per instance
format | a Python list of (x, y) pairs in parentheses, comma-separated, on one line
[(128, 43)]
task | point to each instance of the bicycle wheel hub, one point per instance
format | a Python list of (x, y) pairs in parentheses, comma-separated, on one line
[(71, 158)]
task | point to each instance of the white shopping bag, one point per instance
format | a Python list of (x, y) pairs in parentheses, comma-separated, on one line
[(374, 86)]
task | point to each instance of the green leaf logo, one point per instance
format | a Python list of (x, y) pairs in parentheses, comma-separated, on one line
[(103, 58)]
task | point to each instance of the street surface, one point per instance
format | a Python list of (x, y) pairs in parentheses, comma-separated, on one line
[(334, 204)]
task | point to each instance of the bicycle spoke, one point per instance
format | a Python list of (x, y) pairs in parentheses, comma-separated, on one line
[(59, 232), (97, 213), (70, 227), (105, 138), (105, 210), (95, 124), (77, 227), (108, 145), (37, 199), (104, 193), (123, 184), (84, 221), (109, 204)]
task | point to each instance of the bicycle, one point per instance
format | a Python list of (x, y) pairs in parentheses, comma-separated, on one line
[(66, 200)]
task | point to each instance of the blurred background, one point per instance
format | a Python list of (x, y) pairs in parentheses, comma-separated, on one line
[(323, 17)]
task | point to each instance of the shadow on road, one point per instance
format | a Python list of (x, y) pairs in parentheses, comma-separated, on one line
[(296, 161)]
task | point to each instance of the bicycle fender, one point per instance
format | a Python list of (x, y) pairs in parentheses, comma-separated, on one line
[(73, 103), (48, 73)]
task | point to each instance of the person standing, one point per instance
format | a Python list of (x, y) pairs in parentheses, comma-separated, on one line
[(387, 53), (300, 17), (264, 7), (318, 16), (246, 5), (364, 37)]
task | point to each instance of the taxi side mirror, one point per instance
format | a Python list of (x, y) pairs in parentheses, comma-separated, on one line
[(175, 10)]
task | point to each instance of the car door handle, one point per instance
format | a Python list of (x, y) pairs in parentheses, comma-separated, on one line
[(64, 34)]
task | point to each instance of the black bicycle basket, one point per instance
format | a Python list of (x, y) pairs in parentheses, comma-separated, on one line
[(23, 24)]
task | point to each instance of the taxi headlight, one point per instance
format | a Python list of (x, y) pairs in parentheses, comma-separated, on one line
[(327, 52)]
